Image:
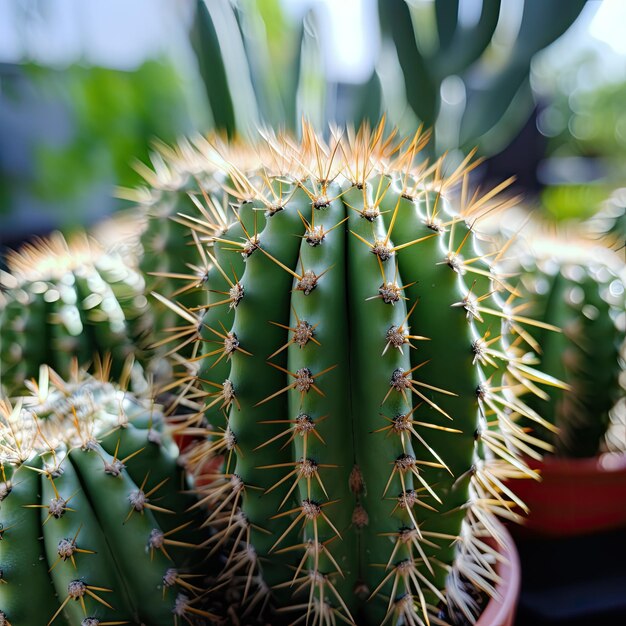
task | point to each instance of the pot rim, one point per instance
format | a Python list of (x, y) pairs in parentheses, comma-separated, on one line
[(500, 610)]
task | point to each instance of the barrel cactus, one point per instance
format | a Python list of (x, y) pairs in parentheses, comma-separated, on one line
[(578, 287), (354, 444), (95, 525), (65, 300)]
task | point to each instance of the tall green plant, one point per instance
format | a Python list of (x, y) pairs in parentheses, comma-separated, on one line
[(432, 44)]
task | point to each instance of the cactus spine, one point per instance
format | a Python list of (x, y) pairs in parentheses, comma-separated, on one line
[(342, 385), (64, 301), (92, 512)]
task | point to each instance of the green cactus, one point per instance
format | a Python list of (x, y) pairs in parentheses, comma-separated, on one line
[(343, 380), (181, 182), (96, 528), (66, 301), (577, 287)]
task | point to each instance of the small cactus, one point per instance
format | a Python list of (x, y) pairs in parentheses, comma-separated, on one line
[(94, 523), (63, 301), (576, 286), (345, 367)]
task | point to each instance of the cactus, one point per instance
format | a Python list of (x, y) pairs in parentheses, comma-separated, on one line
[(65, 300), (92, 512), (577, 287), (181, 181), (341, 376)]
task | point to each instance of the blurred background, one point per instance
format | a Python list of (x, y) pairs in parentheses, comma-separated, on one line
[(85, 87)]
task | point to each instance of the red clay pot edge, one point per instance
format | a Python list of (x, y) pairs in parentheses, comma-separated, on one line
[(500, 611), (575, 497), (605, 463)]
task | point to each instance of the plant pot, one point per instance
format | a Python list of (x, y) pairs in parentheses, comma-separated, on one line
[(574, 496), (500, 610)]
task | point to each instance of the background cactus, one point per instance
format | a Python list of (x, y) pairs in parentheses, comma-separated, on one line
[(183, 182), (65, 300), (95, 526), (341, 376), (576, 286)]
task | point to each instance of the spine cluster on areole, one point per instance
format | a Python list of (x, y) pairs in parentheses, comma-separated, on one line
[(350, 371)]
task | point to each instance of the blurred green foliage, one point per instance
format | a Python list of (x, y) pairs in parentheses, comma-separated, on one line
[(116, 116), (586, 127), (78, 131), (588, 123), (573, 201)]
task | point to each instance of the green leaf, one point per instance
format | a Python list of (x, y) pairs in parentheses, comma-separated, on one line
[(422, 90), (542, 23), (447, 12), (469, 43), (206, 45)]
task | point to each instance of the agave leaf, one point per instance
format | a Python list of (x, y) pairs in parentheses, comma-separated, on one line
[(218, 43), (468, 43), (447, 12), (212, 70), (422, 90)]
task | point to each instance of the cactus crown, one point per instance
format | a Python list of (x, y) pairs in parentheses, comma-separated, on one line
[(92, 512), (345, 364)]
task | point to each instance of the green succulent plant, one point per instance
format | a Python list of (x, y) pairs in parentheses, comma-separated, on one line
[(95, 524), (68, 300), (578, 287), (341, 375)]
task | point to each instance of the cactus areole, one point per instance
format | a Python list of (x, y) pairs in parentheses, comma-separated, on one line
[(340, 371)]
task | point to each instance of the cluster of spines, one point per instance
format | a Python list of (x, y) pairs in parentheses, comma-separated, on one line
[(94, 519), (343, 223)]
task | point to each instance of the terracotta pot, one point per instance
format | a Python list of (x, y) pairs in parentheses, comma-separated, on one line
[(574, 496), (500, 611)]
